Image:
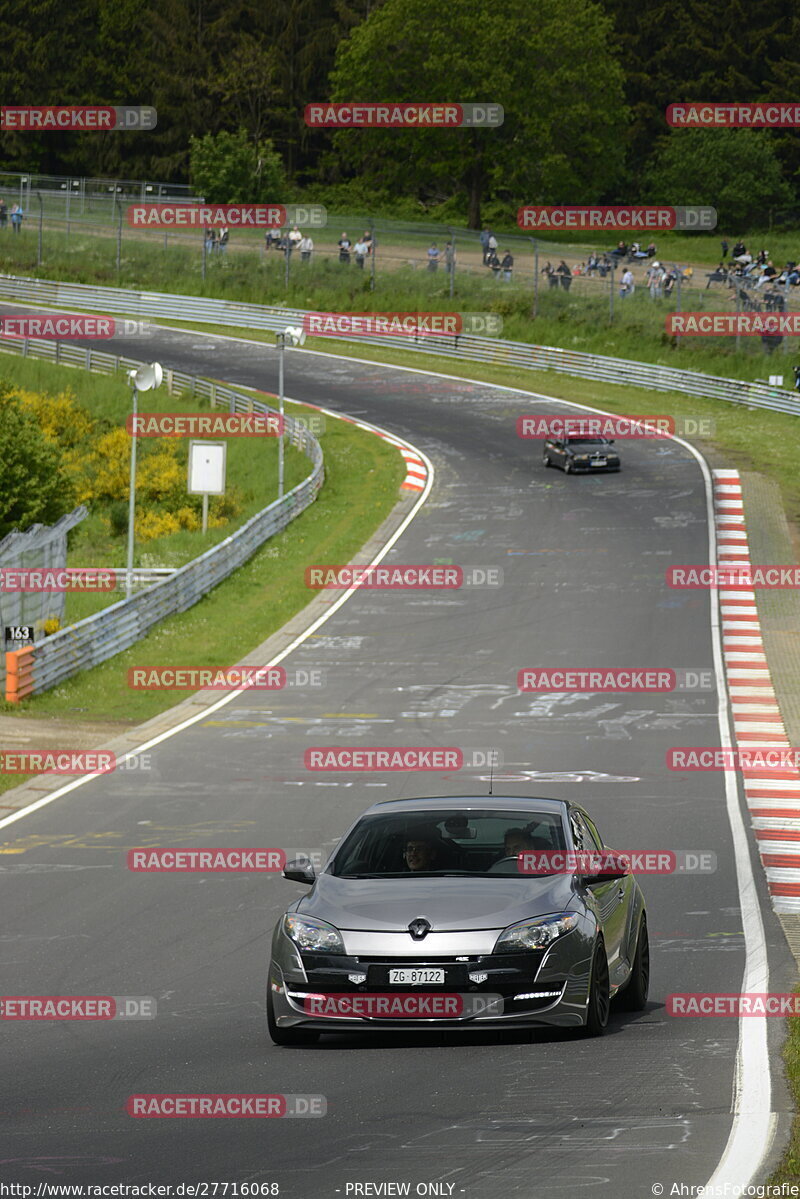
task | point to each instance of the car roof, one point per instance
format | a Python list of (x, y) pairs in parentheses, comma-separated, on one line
[(487, 803)]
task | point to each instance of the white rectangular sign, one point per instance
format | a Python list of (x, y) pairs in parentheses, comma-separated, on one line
[(207, 467)]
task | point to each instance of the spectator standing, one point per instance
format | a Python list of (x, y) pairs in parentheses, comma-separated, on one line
[(223, 239), (492, 243), (16, 217), (295, 237), (484, 239), (433, 256), (493, 262), (367, 240), (627, 285), (655, 280), (272, 237), (344, 248), (507, 266), (208, 235), (3, 214), (361, 249), (306, 248), (796, 370), (724, 247), (449, 257)]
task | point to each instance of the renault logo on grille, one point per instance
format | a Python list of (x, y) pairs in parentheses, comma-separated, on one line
[(419, 928)]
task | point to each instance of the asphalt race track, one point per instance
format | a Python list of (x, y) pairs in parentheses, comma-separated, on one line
[(583, 562)]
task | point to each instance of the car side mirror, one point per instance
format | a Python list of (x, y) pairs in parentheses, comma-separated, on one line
[(611, 441), (611, 866), (300, 871)]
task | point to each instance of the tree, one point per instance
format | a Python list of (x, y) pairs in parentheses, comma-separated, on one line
[(228, 168), (734, 170), (549, 63), (33, 485)]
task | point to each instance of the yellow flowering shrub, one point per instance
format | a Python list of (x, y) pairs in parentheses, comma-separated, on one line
[(152, 524), (160, 476), (107, 468)]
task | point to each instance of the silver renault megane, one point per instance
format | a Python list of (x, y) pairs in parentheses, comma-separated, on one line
[(465, 912)]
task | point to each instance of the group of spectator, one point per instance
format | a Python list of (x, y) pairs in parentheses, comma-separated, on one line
[(633, 252), (501, 268), (216, 240), (745, 270), (361, 250), (288, 241), (16, 216)]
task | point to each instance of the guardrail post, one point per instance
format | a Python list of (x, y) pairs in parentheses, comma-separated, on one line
[(19, 674)]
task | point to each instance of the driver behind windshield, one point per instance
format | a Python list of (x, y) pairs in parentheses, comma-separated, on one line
[(422, 851)]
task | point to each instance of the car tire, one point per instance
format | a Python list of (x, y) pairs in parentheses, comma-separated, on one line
[(290, 1037), (634, 997), (567, 466), (598, 1007), (546, 460)]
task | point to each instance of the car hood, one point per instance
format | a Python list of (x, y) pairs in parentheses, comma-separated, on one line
[(449, 904)]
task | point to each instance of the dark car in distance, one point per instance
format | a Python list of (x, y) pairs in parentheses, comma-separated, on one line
[(573, 454), (441, 899)]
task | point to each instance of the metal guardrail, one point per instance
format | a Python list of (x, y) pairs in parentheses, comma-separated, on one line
[(201, 310), (104, 634)]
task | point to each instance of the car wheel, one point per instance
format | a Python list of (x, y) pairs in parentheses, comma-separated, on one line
[(567, 466), (545, 459), (634, 997), (287, 1036), (599, 1000)]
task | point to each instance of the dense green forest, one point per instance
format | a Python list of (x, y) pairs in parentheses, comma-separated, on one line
[(584, 85)]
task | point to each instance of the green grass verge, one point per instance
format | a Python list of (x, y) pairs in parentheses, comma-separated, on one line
[(252, 475), (579, 319), (363, 474)]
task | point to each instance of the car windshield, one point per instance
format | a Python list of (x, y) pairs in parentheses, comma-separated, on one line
[(587, 441), (483, 843)]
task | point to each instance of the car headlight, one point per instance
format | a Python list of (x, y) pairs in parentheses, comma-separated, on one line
[(581, 457), (313, 935), (535, 934)]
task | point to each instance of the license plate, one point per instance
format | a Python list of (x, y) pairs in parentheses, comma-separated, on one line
[(598, 462), (416, 978)]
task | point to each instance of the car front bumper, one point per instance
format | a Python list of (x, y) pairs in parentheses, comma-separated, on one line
[(538, 988)]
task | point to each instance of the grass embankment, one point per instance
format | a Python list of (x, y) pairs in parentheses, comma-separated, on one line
[(363, 475), (578, 319)]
